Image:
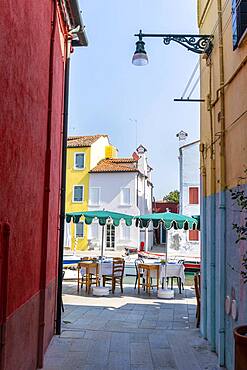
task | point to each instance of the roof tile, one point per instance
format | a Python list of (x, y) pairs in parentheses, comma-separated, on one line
[(82, 141), (116, 165)]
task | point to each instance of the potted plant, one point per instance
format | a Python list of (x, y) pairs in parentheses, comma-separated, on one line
[(163, 262), (240, 332)]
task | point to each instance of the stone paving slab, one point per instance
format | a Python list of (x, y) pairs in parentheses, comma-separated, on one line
[(128, 332)]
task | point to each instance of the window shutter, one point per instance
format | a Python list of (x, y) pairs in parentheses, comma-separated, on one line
[(193, 235), (194, 195)]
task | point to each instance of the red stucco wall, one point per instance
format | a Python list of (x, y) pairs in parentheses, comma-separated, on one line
[(24, 79)]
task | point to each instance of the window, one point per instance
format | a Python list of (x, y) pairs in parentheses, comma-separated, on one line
[(110, 237), (94, 196), (125, 196), (239, 20), (124, 232), (93, 231), (194, 195), (193, 235), (79, 230), (78, 193), (79, 161)]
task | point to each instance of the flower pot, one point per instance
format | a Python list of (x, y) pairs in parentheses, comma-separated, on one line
[(240, 336)]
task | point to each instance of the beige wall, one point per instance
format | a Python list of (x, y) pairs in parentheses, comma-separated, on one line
[(235, 96)]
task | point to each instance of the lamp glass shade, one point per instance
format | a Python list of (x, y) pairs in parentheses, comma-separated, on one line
[(140, 59)]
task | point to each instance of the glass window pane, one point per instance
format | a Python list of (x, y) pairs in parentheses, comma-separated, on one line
[(125, 196), (93, 231), (79, 160), (124, 232), (79, 230), (78, 194), (94, 196)]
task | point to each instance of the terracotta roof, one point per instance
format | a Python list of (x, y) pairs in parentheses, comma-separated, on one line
[(116, 165), (82, 141)]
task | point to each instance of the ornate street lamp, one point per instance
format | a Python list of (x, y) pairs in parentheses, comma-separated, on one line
[(200, 44)]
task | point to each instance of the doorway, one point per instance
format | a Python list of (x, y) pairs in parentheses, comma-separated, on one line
[(110, 237)]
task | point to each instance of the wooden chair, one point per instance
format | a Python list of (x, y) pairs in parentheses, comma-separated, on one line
[(137, 262), (147, 270), (117, 274), (91, 274), (198, 298)]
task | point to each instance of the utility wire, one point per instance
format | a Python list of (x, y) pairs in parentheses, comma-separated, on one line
[(190, 79), (194, 86), (212, 33)]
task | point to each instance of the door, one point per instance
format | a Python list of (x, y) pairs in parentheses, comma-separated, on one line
[(162, 235), (110, 237)]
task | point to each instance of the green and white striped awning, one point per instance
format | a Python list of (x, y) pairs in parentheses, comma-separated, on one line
[(103, 216), (169, 220)]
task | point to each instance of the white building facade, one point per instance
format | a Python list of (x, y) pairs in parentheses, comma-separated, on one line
[(121, 185), (186, 244)]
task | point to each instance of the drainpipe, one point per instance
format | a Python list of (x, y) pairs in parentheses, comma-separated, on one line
[(180, 158), (63, 187), (222, 206), (5, 231), (212, 246), (46, 199), (203, 212)]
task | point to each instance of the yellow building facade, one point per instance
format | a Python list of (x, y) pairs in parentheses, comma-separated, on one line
[(83, 154), (223, 164)]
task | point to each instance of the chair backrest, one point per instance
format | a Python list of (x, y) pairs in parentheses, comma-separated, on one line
[(197, 287), (118, 267), (89, 259), (137, 262)]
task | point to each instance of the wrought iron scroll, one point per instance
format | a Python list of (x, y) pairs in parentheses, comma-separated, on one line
[(198, 44)]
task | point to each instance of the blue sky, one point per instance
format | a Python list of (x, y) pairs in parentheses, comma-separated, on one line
[(106, 90)]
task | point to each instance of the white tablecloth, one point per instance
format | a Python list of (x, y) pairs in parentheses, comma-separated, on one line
[(170, 270), (105, 268)]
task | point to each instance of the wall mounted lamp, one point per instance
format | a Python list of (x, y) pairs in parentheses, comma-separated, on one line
[(200, 44)]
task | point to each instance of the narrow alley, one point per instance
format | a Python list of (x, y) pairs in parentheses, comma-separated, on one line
[(129, 332)]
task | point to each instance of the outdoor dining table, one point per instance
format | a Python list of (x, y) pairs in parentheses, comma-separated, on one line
[(168, 270), (105, 268)]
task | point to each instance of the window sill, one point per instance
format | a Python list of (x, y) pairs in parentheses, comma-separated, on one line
[(78, 201)]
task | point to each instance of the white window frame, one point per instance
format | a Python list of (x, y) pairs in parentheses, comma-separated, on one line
[(80, 237), (78, 201), (122, 235), (76, 168), (90, 236), (89, 201), (121, 197)]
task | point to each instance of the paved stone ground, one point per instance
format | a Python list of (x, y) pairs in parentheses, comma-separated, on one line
[(128, 332)]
